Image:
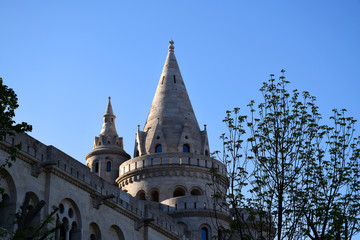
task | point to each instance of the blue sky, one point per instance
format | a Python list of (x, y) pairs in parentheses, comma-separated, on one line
[(64, 58)]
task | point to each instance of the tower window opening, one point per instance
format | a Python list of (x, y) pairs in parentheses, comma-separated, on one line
[(105, 119), (96, 167), (206, 153), (163, 79), (108, 166), (154, 196), (186, 148), (204, 234), (195, 192), (179, 192), (158, 148), (112, 120), (174, 79), (141, 195)]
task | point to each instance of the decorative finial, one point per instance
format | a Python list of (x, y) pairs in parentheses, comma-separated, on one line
[(138, 127), (171, 46), (109, 98), (204, 126)]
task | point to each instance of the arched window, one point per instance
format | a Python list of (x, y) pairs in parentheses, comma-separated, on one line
[(204, 233), (195, 192), (154, 196), (186, 148), (96, 167), (108, 166), (64, 228), (206, 153), (141, 195), (158, 148), (179, 192)]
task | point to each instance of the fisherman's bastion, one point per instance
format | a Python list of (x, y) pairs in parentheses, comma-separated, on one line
[(162, 192)]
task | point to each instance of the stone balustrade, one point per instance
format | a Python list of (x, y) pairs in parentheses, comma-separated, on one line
[(168, 159)]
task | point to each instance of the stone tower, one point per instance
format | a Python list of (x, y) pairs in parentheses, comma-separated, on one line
[(108, 152), (171, 163)]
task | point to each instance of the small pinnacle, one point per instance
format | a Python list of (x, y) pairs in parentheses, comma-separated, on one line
[(109, 98)]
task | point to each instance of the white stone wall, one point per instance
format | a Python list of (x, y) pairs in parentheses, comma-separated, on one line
[(70, 183)]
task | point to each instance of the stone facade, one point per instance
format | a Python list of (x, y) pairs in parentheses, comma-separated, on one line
[(160, 193)]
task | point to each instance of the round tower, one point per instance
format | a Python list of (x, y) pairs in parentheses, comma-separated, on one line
[(171, 163), (108, 153)]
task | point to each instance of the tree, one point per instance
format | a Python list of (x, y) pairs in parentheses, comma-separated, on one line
[(26, 229), (8, 105), (331, 190), (302, 177), (8, 127)]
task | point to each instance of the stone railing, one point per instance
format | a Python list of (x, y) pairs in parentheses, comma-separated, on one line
[(170, 159), (192, 203)]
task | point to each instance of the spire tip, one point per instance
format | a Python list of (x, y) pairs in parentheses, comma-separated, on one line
[(171, 46)]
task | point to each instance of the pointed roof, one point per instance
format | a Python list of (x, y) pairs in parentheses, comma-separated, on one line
[(108, 128), (109, 110), (171, 107)]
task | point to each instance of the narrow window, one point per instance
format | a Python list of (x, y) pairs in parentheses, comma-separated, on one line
[(186, 148), (163, 79), (174, 79), (141, 195), (154, 196), (108, 166), (158, 148), (204, 234), (96, 167)]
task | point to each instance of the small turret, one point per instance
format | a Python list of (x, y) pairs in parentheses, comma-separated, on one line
[(108, 152)]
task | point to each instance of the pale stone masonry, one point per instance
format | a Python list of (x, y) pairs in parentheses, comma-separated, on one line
[(160, 193)]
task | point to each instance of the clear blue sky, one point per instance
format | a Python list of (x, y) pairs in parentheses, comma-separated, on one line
[(64, 58)]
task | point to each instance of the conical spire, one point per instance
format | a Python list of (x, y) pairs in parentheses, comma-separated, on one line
[(108, 129), (171, 111), (109, 110)]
